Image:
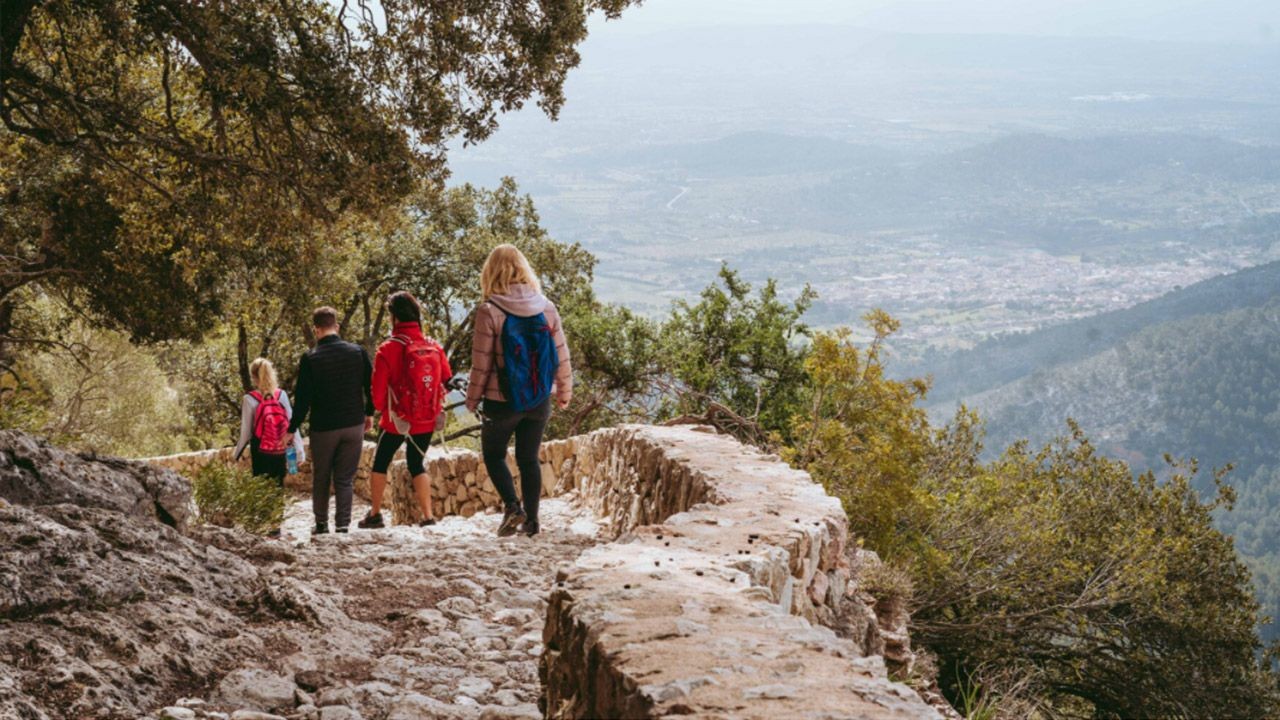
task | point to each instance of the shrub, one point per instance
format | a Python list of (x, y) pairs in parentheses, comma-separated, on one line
[(231, 496)]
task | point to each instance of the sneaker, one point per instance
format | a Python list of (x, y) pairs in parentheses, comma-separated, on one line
[(427, 523), (321, 529), (372, 522), (511, 521), (342, 529), (529, 528)]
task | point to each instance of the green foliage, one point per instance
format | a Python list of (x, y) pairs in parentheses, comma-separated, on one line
[(740, 350), (616, 365), (866, 438), (1107, 589), (435, 246), (1208, 385), (94, 390), (1055, 579), (183, 151), (231, 496)]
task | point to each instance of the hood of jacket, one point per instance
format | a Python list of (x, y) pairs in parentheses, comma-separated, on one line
[(521, 300)]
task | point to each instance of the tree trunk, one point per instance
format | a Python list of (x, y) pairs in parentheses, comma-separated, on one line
[(242, 354)]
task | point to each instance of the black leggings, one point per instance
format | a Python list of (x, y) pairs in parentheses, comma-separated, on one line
[(500, 422), (389, 443), (272, 466)]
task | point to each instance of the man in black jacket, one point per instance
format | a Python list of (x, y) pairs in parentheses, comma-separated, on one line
[(333, 386)]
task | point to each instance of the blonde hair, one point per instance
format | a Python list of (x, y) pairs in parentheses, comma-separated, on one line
[(263, 374), (506, 266)]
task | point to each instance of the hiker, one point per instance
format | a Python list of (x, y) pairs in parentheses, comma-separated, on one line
[(519, 360), (333, 388), (410, 376), (264, 423)]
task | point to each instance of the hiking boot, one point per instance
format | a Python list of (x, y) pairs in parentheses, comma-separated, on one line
[(512, 519), (342, 529), (529, 528), (322, 528), (427, 523), (372, 522)]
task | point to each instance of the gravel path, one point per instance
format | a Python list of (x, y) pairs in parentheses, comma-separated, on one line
[(403, 623)]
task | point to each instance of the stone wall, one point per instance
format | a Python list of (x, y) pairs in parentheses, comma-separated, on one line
[(716, 597)]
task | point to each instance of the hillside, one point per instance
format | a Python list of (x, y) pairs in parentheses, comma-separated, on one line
[(1007, 359), (1204, 387)]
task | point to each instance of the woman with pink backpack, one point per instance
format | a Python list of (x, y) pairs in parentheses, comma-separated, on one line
[(264, 423)]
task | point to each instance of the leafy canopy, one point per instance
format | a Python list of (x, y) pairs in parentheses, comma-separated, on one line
[(156, 149)]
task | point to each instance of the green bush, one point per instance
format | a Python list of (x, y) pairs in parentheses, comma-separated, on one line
[(230, 496)]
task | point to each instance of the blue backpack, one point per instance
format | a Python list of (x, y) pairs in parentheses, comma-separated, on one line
[(529, 360)]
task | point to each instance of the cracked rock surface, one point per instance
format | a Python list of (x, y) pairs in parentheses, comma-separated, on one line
[(113, 604)]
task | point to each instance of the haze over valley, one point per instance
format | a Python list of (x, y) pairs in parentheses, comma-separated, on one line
[(971, 185)]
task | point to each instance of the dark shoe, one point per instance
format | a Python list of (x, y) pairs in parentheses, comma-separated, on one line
[(342, 529), (321, 529), (512, 519), (427, 523), (372, 522), (273, 533), (529, 528)]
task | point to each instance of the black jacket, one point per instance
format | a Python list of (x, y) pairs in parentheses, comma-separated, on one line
[(333, 386)]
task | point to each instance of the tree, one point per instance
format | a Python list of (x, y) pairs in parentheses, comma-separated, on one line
[(1112, 596), (1055, 582), (867, 439), (742, 352), (93, 390), (435, 247), (151, 149)]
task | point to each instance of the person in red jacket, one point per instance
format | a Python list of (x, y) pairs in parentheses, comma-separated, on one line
[(409, 375)]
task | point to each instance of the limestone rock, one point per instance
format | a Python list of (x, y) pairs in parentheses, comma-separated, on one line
[(35, 473), (257, 690)]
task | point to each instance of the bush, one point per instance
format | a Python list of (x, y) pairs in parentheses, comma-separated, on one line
[(230, 496)]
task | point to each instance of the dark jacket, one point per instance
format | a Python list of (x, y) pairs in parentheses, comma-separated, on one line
[(333, 386)]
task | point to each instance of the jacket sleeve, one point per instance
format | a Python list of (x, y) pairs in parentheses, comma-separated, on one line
[(564, 372), (247, 407), (482, 341), (301, 395), (381, 377), (366, 383)]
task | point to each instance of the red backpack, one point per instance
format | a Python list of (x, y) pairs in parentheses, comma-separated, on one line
[(416, 397), (270, 423)]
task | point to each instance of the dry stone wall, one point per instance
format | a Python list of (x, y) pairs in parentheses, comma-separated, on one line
[(716, 597)]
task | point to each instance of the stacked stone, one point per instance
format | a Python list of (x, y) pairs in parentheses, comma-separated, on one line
[(460, 484), (718, 596)]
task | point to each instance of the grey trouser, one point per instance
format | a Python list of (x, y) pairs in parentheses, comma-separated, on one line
[(335, 454)]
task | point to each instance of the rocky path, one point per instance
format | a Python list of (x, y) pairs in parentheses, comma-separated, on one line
[(401, 623)]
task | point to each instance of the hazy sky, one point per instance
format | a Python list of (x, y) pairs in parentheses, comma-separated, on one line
[(1205, 20)]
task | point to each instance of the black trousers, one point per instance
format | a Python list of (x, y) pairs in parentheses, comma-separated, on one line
[(500, 423), (272, 466)]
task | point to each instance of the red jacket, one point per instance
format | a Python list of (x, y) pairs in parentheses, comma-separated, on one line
[(387, 366)]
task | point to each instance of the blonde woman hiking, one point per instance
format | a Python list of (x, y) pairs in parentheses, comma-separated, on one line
[(264, 423), (519, 365)]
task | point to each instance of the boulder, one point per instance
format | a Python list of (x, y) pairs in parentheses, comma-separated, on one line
[(105, 606), (35, 473)]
